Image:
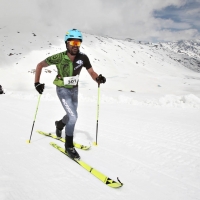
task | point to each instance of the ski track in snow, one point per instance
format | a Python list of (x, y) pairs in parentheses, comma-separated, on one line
[(153, 150)]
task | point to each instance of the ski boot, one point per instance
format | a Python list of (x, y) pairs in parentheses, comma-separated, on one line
[(69, 148), (59, 127)]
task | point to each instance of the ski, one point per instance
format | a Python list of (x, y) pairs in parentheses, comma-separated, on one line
[(105, 179), (79, 146)]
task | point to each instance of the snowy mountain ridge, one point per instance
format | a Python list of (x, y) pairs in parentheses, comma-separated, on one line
[(165, 68), (186, 52)]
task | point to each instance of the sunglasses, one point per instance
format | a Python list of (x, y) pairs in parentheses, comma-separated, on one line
[(75, 43)]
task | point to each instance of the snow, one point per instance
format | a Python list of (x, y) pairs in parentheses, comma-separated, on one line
[(148, 126)]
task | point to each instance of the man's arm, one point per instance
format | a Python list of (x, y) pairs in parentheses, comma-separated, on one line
[(39, 70), (92, 73)]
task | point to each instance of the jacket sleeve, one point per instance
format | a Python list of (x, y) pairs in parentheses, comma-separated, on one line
[(54, 59)]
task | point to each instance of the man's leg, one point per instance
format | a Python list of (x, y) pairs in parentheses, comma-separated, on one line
[(69, 101)]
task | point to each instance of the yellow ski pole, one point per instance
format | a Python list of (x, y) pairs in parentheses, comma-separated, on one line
[(98, 100), (29, 141)]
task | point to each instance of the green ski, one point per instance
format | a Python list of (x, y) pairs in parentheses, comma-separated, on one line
[(79, 146), (105, 179)]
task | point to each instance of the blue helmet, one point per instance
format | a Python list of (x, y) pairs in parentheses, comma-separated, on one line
[(73, 34)]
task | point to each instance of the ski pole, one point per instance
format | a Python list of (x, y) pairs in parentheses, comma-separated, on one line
[(98, 100), (29, 141)]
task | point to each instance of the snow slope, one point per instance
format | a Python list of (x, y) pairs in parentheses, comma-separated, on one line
[(154, 150), (124, 63), (148, 125)]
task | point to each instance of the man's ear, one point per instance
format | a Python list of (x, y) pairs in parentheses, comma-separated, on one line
[(66, 43)]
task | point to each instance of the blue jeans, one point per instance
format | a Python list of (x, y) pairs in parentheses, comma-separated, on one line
[(69, 101)]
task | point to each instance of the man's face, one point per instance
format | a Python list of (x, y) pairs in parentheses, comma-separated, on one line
[(73, 46)]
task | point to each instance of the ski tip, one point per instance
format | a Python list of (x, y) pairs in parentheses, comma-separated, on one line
[(120, 181), (28, 141), (94, 143)]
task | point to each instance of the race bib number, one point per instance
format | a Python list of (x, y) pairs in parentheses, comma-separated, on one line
[(72, 80)]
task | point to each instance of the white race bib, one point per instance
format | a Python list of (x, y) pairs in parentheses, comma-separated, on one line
[(72, 80)]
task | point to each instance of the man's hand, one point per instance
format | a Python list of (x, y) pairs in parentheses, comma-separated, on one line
[(39, 87), (101, 79)]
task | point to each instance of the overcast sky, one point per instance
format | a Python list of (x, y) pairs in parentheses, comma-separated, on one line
[(146, 20)]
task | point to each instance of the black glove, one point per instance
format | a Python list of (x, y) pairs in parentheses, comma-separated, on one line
[(39, 87), (101, 79)]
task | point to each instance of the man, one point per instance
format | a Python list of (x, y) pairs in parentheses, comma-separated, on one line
[(69, 64), (1, 90)]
